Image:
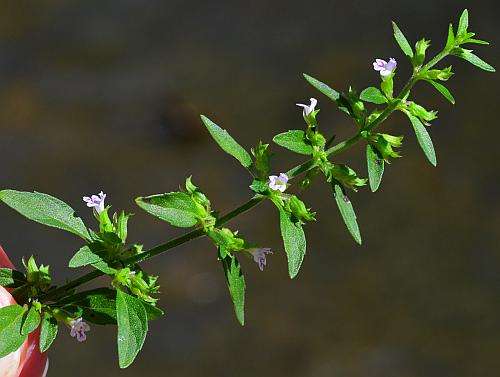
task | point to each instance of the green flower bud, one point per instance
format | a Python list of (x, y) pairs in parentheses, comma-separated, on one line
[(420, 48), (346, 175), (298, 209), (262, 160)]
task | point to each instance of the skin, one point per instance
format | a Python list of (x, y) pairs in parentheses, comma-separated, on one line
[(27, 361)]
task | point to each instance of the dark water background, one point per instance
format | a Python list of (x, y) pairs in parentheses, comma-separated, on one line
[(104, 95)]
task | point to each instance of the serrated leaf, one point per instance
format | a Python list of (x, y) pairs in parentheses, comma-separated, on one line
[(11, 278), (45, 209), (347, 212), (176, 208), (97, 305), (322, 87), (85, 256), (477, 61), (402, 41), (294, 140), (294, 241), (375, 167), (373, 95), (443, 90), (235, 283), (11, 319), (227, 143), (132, 322), (424, 139), (463, 24), (48, 332), (31, 320)]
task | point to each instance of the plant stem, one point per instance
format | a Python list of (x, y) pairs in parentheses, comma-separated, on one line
[(307, 165)]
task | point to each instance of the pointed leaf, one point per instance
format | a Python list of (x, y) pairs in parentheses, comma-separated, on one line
[(322, 87), (294, 241), (375, 167), (402, 41), (132, 327), (450, 41), (347, 212), (423, 138), (176, 208), (11, 319), (463, 24), (97, 305), (85, 256), (477, 61), (227, 143), (235, 283), (373, 95), (46, 210), (294, 140), (443, 90), (48, 332), (31, 320)]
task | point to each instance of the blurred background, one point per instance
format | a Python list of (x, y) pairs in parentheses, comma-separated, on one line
[(105, 95)]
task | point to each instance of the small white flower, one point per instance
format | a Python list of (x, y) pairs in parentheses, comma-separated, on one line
[(308, 109), (385, 68), (96, 201), (278, 183), (259, 256), (78, 329)]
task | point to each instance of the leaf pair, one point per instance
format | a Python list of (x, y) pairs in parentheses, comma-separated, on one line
[(16, 322)]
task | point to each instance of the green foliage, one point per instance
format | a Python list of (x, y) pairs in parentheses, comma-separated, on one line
[(11, 320), (346, 175), (86, 255), (347, 212), (48, 331), (375, 166), (294, 241), (235, 283), (132, 322), (424, 139), (11, 278), (420, 49), (262, 159), (227, 143), (323, 88), (402, 41), (443, 90), (46, 210), (473, 59), (387, 85), (294, 140), (463, 24), (373, 95), (421, 112), (31, 320)]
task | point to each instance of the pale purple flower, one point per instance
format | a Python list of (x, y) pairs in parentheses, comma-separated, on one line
[(96, 201), (385, 68), (278, 183), (78, 329), (308, 109), (259, 256)]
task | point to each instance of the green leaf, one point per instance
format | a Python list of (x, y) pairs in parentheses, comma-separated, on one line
[(347, 212), (11, 278), (373, 95), (463, 24), (294, 140), (48, 332), (227, 143), (153, 311), (443, 90), (97, 305), (11, 319), (423, 138), (121, 226), (235, 283), (46, 210), (31, 320), (322, 87), (375, 167), (450, 41), (402, 41), (477, 61), (104, 267), (294, 241), (476, 41), (176, 208), (132, 321), (85, 256)]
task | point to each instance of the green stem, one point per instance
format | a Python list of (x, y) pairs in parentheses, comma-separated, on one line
[(197, 233)]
